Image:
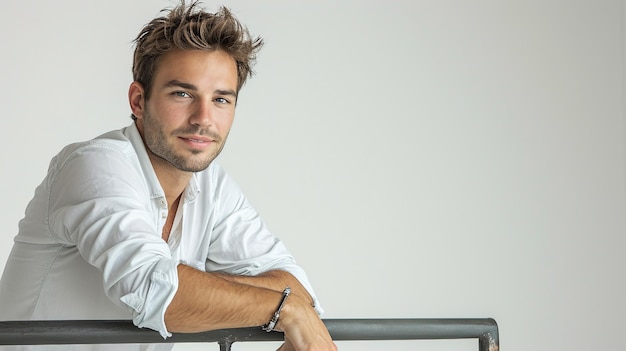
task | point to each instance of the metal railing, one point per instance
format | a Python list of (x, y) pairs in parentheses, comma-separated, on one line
[(124, 332)]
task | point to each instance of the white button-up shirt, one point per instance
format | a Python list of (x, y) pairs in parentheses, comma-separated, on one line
[(90, 246)]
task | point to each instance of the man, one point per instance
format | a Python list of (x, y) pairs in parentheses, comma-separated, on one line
[(140, 223)]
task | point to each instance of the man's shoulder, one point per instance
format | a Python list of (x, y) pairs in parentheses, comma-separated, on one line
[(108, 146), (114, 140), (117, 140)]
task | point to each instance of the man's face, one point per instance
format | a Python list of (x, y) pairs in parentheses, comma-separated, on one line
[(188, 116)]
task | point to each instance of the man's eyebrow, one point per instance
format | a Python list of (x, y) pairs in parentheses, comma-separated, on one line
[(226, 92), (179, 84)]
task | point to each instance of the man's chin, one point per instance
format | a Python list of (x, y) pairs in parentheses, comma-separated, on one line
[(194, 166)]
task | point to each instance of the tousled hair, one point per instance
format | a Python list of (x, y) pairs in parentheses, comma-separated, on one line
[(188, 27)]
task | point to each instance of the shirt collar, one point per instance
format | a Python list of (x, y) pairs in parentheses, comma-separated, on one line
[(192, 190)]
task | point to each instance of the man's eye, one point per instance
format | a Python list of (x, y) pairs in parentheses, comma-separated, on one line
[(221, 100), (181, 94)]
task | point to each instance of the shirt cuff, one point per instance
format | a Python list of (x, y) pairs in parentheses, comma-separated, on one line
[(149, 312)]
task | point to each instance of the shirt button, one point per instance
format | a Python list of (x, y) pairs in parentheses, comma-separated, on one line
[(163, 214)]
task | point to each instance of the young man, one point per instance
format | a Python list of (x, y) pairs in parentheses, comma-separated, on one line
[(141, 223)]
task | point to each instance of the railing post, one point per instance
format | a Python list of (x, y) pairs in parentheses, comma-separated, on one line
[(487, 343), (224, 345)]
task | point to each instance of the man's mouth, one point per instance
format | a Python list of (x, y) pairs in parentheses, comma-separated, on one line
[(197, 140)]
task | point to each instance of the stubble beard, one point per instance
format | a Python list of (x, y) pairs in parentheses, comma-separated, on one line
[(156, 142)]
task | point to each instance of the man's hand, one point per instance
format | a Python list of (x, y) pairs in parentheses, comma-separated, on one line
[(303, 328), (286, 346)]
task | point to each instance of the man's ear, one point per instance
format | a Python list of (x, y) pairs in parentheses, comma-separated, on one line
[(136, 99)]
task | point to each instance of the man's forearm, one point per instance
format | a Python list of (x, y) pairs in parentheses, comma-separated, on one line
[(208, 301), (275, 280)]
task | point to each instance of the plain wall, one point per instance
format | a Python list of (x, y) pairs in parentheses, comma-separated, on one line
[(420, 158)]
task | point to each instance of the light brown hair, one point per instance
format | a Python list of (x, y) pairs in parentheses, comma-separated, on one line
[(188, 27)]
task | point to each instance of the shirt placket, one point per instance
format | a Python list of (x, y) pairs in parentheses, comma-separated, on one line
[(162, 213)]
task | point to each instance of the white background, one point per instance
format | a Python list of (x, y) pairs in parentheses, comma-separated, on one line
[(420, 158)]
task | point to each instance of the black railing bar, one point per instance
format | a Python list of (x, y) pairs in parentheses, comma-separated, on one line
[(409, 329), (123, 331)]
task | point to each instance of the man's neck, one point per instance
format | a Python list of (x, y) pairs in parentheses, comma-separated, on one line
[(172, 180)]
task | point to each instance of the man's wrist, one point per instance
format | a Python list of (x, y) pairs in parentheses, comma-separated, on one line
[(275, 318)]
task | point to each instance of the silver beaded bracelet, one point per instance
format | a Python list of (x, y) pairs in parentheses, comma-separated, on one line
[(272, 323)]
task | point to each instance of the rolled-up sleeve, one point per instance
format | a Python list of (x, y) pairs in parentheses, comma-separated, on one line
[(99, 202)]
